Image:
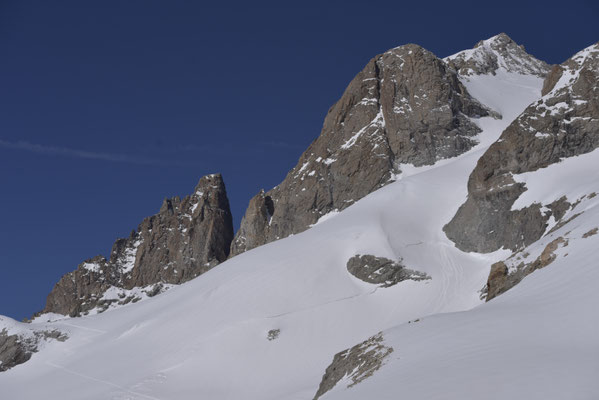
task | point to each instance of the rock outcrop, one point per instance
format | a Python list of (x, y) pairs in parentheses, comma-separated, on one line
[(12, 351), (18, 342), (501, 279), (355, 364), (186, 238), (494, 54), (563, 123), (381, 271), (405, 106)]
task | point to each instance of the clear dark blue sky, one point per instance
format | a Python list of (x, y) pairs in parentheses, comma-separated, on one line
[(107, 107)]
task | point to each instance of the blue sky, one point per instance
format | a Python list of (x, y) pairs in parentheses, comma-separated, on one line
[(108, 107)]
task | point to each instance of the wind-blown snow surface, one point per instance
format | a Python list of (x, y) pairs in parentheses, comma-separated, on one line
[(207, 339)]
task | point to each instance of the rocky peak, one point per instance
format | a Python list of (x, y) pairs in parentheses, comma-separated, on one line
[(405, 106), (498, 53), (186, 238), (562, 123), (570, 80)]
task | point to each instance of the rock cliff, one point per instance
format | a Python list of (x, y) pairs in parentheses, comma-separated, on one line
[(186, 238), (563, 123), (405, 106)]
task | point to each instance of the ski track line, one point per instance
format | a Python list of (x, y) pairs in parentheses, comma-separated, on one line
[(51, 364), (84, 328), (323, 304)]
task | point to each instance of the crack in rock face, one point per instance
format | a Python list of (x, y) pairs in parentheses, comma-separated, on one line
[(382, 271), (355, 364)]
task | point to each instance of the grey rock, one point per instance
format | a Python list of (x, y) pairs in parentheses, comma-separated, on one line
[(590, 233), (498, 52), (563, 123), (405, 106), (17, 349), (273, 334), (12, 351), (186, 238), (381, 271), (357, 364)]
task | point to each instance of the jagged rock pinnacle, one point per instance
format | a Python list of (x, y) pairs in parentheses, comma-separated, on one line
[(186, 238)]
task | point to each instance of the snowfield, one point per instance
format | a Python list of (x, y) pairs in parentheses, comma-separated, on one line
[(209, 338), (539, 340)]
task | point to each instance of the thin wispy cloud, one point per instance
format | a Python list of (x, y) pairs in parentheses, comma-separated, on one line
[(76, 153)]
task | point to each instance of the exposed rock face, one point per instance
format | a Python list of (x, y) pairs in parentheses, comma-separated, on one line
[(563, 123), (498, 52), (381, 271), (405, 106), (186, 238), (501, 279), (12, 351), (355, 364), (590, 233), (16, 349)]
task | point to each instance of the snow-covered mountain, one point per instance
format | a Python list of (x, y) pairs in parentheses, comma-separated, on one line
[(385, 296)]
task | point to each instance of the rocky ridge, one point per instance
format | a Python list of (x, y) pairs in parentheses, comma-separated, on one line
[(499, 53), (563, 123), (405, 106), (186, 238), (355, 364)]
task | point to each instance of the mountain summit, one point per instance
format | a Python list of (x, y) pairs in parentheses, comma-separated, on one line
[(406, 106), (437, 241), (561, 124), (499, 53)]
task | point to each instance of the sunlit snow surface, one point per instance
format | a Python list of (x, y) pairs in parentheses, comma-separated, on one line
[(537, 341), (208, 338)]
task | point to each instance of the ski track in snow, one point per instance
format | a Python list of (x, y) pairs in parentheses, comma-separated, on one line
[(323, 304), (83, 327), (91, 378)]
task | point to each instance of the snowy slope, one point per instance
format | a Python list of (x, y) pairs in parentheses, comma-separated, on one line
[(208, 337), (539, 340)]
